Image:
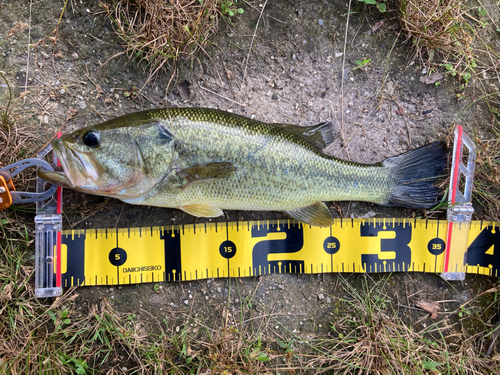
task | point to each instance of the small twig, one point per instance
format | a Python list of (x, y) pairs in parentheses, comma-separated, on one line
[(119, 216), (28, 58), (230, 100), (267, 15), (111, 58), (357, 32), (494, 337), (384, 79), (253, 37), (342, 127)]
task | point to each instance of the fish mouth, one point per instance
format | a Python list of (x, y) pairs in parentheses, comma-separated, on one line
[(76, 168), (60, 176)]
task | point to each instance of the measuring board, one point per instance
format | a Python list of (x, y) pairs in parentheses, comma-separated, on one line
[(451, 247), (239, 249)]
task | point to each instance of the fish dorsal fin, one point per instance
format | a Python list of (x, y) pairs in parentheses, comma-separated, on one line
[(316, 214), (206, 172), (320, 135), (202, 210)]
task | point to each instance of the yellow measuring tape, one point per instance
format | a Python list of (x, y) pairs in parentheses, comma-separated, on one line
[(239, 249)]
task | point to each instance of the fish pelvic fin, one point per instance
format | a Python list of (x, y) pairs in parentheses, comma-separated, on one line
[(414, 173), (316, 214), (202, 210)]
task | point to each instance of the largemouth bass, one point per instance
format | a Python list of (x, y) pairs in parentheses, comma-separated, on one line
[(204, 160)]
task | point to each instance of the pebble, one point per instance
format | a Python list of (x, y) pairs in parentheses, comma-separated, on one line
[(389, 88), (368, 215), (82, 104), (320, 21), (321, 296)]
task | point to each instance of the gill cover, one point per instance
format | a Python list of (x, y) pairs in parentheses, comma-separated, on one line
[(116, 159)]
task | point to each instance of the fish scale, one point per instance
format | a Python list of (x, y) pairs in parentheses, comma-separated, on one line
[(276, 170), (204, 160)]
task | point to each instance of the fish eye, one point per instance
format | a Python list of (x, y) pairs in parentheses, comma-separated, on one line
[(91, 138)]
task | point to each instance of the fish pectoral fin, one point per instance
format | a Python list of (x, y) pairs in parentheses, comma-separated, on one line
[(202, 210), (316, 214), (206, 172)]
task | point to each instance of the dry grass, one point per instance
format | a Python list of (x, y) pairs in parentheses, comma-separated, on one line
[(17, 143), (161, 31), (487, 177), (436, 26), (451, 34), (372, 332), (375, 332)]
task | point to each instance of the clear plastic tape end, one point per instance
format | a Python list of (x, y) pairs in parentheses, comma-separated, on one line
[(460, 213), (48, 265), (48, 226)]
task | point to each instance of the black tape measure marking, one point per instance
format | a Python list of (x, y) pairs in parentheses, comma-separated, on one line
[(239, 249)]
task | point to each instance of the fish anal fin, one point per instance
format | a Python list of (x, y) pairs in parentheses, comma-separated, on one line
[(202, 210), (206, 172), (316, 214)]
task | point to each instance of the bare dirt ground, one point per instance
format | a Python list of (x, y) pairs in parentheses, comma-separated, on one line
[(293, 74)]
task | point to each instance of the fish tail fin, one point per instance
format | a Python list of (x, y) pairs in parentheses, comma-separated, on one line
[(414, 174)]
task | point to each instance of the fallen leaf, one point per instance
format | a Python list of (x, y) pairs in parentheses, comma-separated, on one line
[(377, 26), (431, 307), (6, 292), (431, 79)]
